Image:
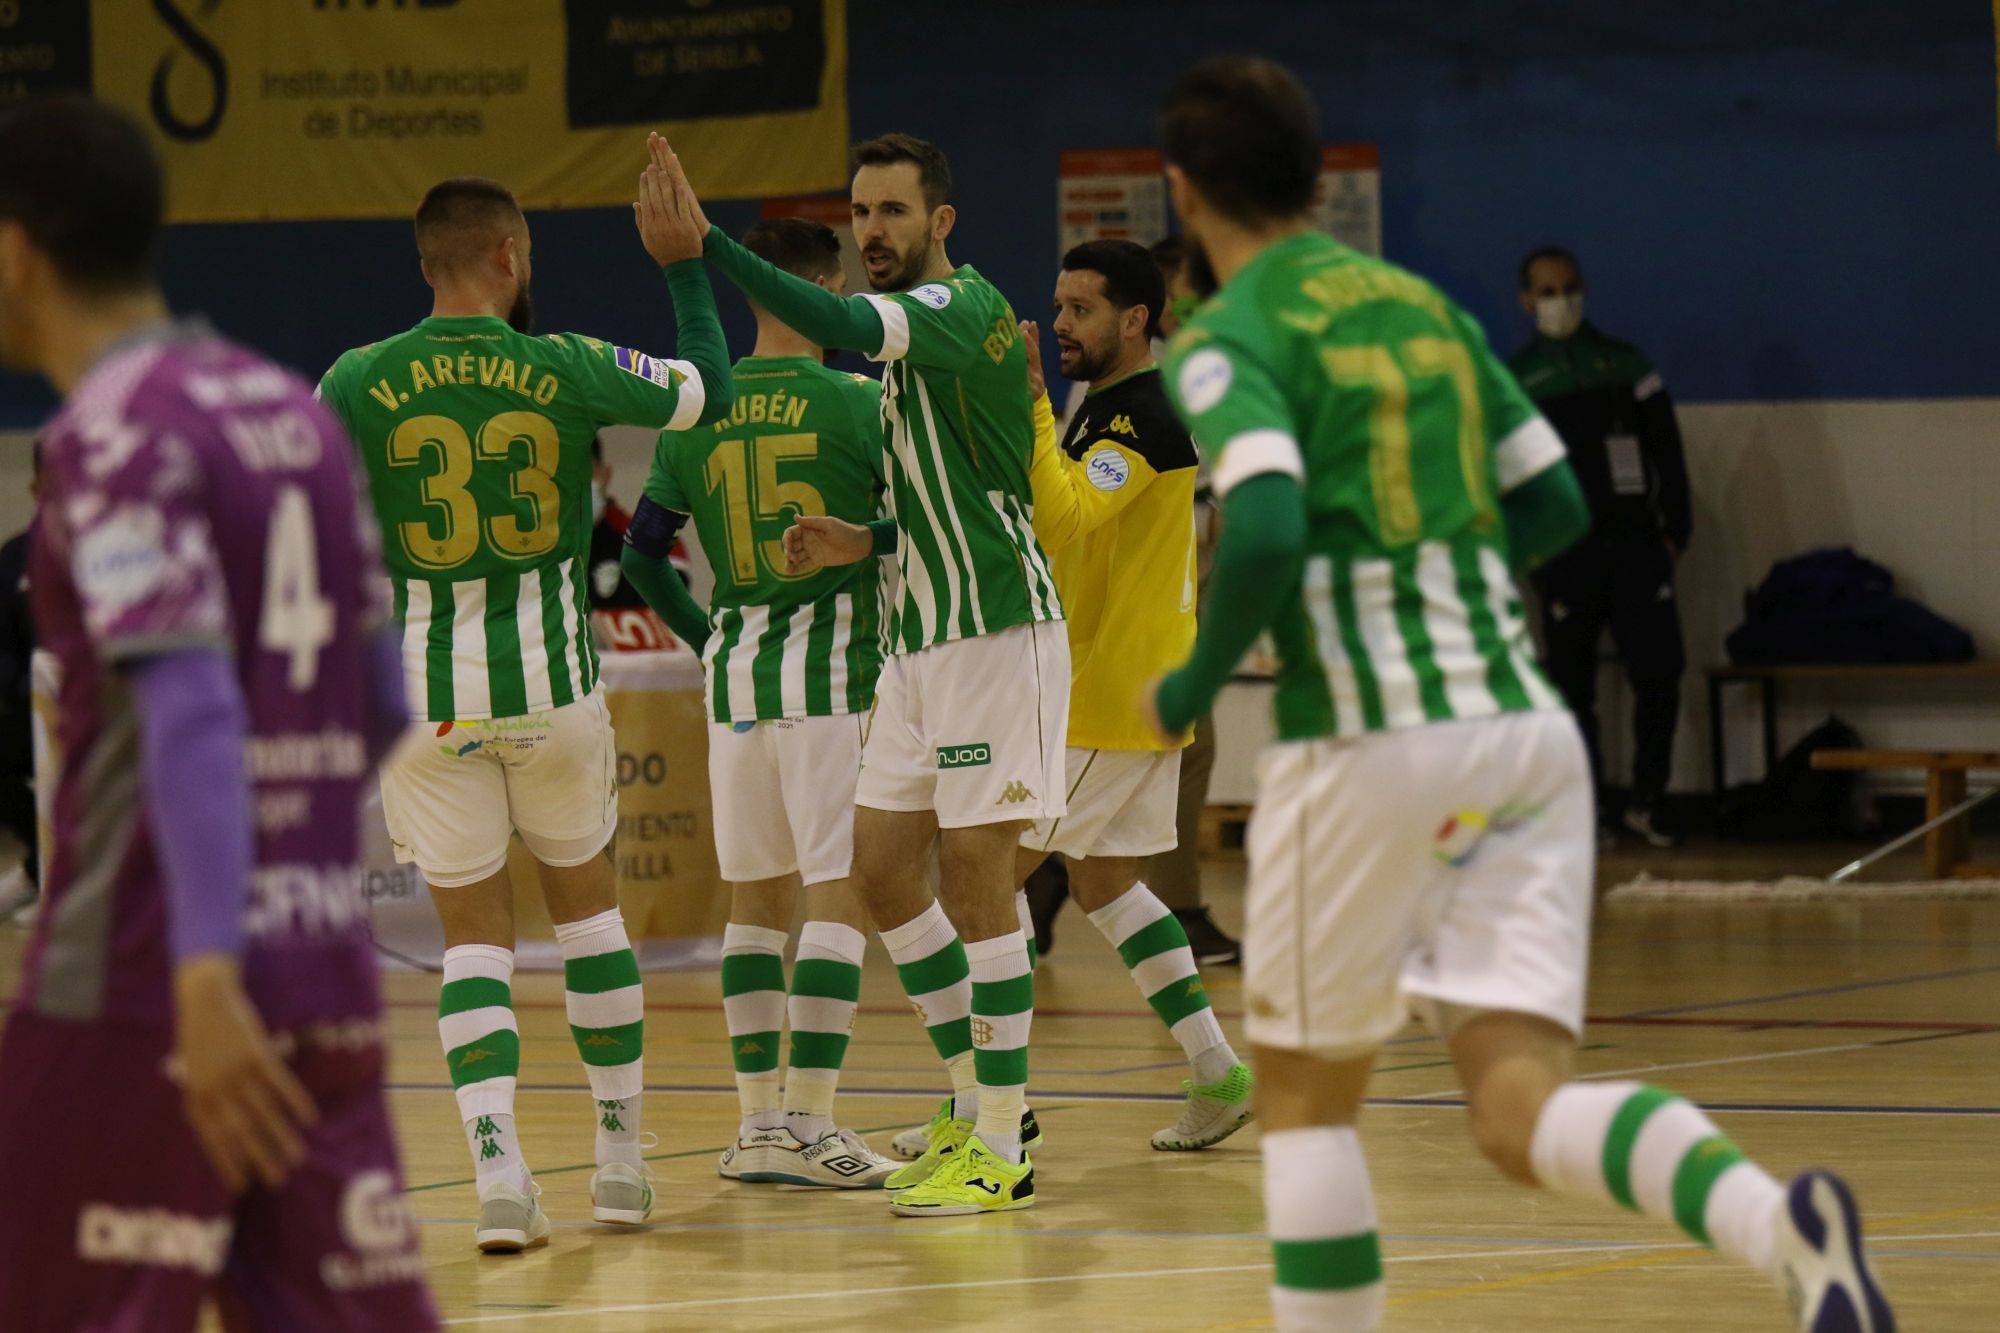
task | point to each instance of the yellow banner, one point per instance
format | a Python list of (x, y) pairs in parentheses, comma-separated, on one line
[(353, 108)]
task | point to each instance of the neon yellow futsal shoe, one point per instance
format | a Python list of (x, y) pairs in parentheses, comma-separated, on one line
[(1211, 1113), (947, 1137), (971, 1180)]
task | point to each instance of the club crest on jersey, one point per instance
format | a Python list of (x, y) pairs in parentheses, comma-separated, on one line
[(1204, 379), (934, 294), (644, 366), (1107, 469)]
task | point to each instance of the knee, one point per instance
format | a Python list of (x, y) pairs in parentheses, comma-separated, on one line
[(1503, 1117)]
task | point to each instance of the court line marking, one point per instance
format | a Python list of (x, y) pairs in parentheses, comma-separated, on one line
[(1914, 978), (655, 1307), (1753, 1058)]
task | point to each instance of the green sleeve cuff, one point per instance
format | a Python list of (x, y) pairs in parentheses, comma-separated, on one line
[(882, 532)]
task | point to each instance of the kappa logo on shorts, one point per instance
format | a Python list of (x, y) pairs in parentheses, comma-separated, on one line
[(1014, 793), (964, 756)]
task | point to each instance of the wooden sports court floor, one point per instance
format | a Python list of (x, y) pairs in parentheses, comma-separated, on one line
[(1865, 1036)]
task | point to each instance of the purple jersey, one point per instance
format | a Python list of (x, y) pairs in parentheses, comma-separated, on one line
[(195, 495)]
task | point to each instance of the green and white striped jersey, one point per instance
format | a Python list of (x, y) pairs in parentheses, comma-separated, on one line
[(476, 440), (961, 436), (1384, 399), (799, 438)]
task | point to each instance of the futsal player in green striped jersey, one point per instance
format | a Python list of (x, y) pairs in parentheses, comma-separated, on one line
[(475, 436), (966, 741), (1424, 837), (791, 663)]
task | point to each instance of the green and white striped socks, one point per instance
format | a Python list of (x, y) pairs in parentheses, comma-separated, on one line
[(1657, 1153), (482, 1049), (930, 961), (1321, 1213), (1003, 1009), (826, 987), (753, 1005), (607, 1017), (1149, 937)]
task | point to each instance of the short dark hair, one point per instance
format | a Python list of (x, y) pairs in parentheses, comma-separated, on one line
[(933, 168), (1246, 133), (1541, 252), (1130, 276), (459, 211), (799, 246), (1177, 258), (83, 182)]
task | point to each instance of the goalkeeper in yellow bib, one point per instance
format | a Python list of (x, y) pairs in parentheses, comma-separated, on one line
[(476, 437), (966, 741), (1424, 835)]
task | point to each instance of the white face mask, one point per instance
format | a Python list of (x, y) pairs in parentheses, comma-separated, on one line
[(598, 499), (1559, 316)]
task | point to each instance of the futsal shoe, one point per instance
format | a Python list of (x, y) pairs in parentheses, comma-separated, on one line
[(911, 1143), (621, 1194), (971, 1180), (1820, 1259), (746, 1157), (1211, 1113), (840, 1160), (510, 1221), (947, 1136)]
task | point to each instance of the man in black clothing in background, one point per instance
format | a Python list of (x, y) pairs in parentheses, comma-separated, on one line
[(1612, 410)]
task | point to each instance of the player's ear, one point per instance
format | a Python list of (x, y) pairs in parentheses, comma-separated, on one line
[(1187, 204), (510, 257), (943, 218)]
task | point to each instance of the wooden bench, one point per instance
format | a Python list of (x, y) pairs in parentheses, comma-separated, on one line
[(1948, 847), (1769, 678)]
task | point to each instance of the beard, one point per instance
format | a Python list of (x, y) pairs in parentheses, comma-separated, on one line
[(521, 315), (903, 275), (1090, 363)]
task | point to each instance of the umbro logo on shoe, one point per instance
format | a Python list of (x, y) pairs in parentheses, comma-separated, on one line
[(846, 1164)]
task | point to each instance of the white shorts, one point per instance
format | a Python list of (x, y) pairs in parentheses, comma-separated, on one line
[(1444, 869), (783, 793), (458, 791), (972, 729), (1121, 803)]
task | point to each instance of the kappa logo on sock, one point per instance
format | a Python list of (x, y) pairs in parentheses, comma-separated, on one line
[(982, 1032), (750, 1048), (489, 1149), (1195, 987), (602, 1039), (485, 1128), (922, 1017), (474, 1056)]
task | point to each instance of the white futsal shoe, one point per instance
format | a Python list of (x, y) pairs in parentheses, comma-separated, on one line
[(510, 1221)]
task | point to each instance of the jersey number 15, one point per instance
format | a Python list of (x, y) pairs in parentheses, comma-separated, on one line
[(746, 474)]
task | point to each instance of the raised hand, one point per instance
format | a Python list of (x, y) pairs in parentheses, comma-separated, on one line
[(1031, 341), (667, 160), (665, 227), (813, 542)]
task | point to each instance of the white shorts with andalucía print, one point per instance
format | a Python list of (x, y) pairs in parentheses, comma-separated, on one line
[(972, 729), (1444, 870), (783, 793), (456, 792)]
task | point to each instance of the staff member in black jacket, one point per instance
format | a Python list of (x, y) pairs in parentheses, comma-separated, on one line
[(1608, 403)]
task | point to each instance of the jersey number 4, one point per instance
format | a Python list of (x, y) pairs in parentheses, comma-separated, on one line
[(746, 472), (296, 619), (455, 539)]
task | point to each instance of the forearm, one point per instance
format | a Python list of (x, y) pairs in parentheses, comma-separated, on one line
[(1257, 565), (698, 338), (846, 322), (388, 708), (1545, 516), (193, 724), (1057, 513), (660, 584)]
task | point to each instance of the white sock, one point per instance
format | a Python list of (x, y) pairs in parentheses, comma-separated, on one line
[(753, 1006), (1002, 1013), (930, 961), (1321, 1213), (826, 985), (482, 1044), (1657, 1153), (496, 1154), (607, 1011)]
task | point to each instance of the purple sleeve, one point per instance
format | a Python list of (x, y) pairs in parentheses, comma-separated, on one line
[(192, 727), (388, 710)]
